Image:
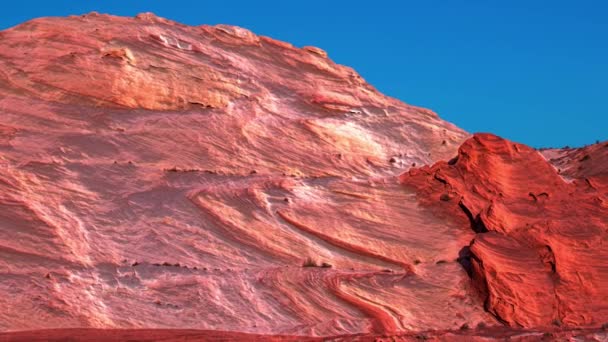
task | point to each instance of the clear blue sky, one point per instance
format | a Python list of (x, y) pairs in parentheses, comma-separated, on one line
[(532, 71)]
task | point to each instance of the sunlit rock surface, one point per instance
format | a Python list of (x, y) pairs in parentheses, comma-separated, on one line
[(539, 255), (162, 176)]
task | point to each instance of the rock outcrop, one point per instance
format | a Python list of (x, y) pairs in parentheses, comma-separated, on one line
[(162, 176), (538, 256), (159, 175)]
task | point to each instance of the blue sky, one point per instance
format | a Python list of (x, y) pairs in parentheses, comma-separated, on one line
[(532, 71)]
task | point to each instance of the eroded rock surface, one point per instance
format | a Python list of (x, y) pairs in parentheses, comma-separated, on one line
[(159, 175), (539, 255), (162, 176)]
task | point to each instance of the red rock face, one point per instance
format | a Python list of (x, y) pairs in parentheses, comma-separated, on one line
[(538, 254), (162, 176)]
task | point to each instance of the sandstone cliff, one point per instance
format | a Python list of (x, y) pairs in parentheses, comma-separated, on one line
[(156, 175)]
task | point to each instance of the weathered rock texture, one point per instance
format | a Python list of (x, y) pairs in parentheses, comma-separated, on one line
[(539, 254), (155, 175)]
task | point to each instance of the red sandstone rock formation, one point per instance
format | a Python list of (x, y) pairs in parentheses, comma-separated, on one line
[(538, 255), (162, 176)]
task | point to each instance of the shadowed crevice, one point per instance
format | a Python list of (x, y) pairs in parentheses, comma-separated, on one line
[(476, 222)]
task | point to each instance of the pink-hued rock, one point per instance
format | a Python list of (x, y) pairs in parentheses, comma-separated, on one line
[(157, 175), (232, 186)]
